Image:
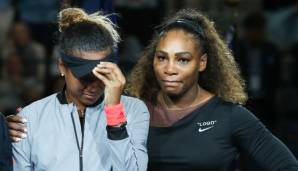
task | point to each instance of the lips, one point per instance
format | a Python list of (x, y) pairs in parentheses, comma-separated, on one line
[(171, 83), (89, 95)]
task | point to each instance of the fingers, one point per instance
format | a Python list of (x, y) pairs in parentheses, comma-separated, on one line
[(17, 129), (103, 78), (107, 72), (16, 136), (110, 74), (16, 126), (16, 118), (112, 77), (114, 69)]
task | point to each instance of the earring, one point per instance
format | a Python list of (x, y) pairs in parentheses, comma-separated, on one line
[(62, 75)]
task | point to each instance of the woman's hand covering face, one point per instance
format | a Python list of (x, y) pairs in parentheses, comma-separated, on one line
[(113, 79)]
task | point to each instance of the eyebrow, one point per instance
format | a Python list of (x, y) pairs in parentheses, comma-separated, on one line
[(183, 53), (176, 54)]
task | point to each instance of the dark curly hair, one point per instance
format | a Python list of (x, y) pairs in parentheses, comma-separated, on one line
[(221, 76)]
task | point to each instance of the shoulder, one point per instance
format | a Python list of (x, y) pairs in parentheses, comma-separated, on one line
[(35, 108), (36, 111), (231, 109), (134, 106), (233, 113), (240, 118), (129, 101)]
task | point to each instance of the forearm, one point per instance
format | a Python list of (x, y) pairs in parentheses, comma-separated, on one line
[(256, 141), (126, 154), (273, 155), (127, 143)]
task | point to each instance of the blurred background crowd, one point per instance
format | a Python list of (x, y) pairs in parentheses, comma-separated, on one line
[(262, 34)]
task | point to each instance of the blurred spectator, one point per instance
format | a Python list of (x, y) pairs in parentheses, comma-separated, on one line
[(131, 51), (258, 59), (6, 18), (139, 17), (11, 84), (224, 12), (259, 62), (288, 85), (33, 53), (91, 6), (57, 84), (276, 4), (286, 99), (137, 21), (54, 71), (15, 89), (40, 17), (283, 26)]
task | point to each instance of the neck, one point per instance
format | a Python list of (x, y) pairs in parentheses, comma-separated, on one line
[(188, 99), (79, 105)]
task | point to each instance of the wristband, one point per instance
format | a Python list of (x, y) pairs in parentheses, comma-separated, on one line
[(115, 114)]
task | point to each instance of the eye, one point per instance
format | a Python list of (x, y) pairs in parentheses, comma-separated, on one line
[(183, 61), (160, 58)]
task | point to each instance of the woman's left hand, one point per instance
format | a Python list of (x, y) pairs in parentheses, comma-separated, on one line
[(110, 74)]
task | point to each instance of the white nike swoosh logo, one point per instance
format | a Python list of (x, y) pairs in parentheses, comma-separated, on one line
[(204, 129)]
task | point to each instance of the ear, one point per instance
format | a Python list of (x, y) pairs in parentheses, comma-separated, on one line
[(61, 67), (203, 62)]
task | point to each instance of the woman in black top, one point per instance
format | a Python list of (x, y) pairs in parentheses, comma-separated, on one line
[(5, 147), (194, 92)]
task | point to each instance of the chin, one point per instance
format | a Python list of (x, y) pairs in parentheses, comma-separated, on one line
[(172, 93)]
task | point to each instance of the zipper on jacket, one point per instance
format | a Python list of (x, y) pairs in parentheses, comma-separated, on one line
[(80, 148)]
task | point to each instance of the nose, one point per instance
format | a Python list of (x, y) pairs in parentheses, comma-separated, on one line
[(170, 68), (93, 85)]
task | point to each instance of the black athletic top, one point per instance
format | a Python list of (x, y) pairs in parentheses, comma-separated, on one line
[(210, 139)]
